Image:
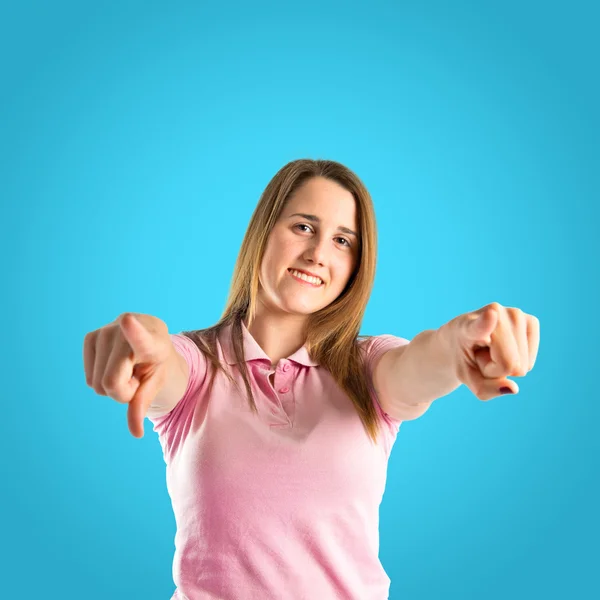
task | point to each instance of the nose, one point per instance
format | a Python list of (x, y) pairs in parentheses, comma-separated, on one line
[(316, 251)]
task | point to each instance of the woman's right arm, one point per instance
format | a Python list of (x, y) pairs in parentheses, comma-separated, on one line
[(178, 373)]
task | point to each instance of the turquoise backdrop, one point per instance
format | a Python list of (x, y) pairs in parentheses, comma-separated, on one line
[(135, 141)]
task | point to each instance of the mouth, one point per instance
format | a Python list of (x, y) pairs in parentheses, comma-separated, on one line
[(314, 282)]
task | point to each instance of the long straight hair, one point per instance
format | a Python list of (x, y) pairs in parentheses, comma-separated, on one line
[(332, 338)]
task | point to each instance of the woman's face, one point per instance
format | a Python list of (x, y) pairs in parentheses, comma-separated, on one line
[(315, 233)]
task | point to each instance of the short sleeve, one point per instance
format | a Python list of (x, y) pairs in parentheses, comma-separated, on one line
[(374, 348), (179, 418)]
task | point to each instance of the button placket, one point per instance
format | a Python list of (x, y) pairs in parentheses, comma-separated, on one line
[(284, 388), (285, 376), (274, 405)]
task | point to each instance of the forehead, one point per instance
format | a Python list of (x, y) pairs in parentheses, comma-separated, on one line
[(326, 199)]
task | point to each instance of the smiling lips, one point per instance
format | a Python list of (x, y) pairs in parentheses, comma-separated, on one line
[(306, 279)]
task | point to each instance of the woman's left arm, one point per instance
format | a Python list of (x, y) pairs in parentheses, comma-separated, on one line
[(480, 349)]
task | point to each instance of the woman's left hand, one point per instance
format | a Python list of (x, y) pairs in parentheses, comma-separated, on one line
[(491, 344)]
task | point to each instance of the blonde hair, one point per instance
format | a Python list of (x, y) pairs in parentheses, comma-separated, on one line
[(332, 332)]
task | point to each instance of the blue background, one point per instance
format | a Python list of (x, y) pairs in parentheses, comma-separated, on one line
[(136, 139)]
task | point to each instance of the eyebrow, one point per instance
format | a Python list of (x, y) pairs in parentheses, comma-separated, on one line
[(316, 219)]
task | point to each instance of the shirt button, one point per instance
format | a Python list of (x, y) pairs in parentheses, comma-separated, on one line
[(284, 390), (286, 367)]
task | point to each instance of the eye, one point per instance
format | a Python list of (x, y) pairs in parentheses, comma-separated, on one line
[(345, 240)]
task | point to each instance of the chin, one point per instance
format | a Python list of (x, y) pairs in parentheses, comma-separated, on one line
[(297, 308), (301, 310)]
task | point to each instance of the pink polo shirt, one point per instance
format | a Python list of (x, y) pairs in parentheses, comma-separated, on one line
[(283, 505)]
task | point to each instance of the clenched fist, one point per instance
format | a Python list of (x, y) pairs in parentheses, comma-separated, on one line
[(491, 344), (128, 360)]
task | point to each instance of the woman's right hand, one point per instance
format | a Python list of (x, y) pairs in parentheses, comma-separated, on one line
[(127, 360)]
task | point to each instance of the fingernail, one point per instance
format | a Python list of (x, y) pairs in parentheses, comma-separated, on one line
[(506, 390)]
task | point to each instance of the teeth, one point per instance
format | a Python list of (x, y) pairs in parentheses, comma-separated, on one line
[(313, 280)]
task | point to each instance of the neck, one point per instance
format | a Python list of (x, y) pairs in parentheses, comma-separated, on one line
[(279, 335)]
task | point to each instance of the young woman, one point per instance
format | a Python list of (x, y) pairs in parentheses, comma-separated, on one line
[(277, 422)]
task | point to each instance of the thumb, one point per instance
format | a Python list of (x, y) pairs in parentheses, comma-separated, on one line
[(139, 337)]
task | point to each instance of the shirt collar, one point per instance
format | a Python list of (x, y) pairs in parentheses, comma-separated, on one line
[(252, 351)]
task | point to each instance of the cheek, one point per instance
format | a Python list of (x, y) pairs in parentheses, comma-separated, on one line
[(270, 256), (345, 271), (278, 250), (275, 260)]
